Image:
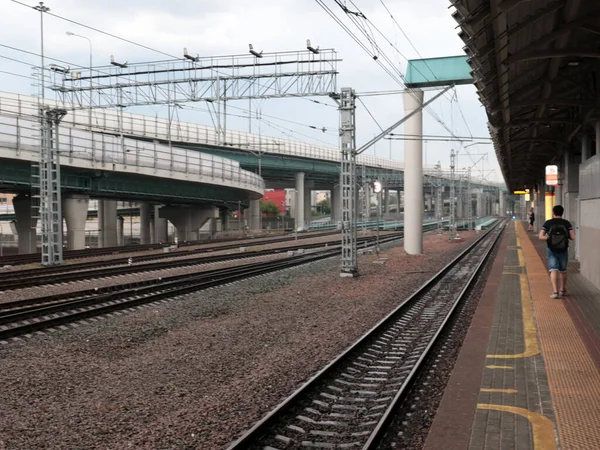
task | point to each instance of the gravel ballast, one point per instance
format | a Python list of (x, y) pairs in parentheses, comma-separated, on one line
[(194, 373)]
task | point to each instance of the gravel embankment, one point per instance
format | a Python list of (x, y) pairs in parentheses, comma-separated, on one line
[(113, 280), (196, 372)]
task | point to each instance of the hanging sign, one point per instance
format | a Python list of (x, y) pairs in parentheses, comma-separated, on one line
[(552, 175)]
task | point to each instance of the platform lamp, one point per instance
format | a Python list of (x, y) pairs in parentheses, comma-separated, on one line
[(70, 33)]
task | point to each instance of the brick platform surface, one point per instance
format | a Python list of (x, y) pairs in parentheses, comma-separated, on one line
[(526, 377)]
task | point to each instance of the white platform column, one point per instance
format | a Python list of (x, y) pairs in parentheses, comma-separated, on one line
[(26, 225), (413, 174), (75, 208)]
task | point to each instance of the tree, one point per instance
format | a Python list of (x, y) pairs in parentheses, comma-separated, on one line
[(324, 207), (269, 208)]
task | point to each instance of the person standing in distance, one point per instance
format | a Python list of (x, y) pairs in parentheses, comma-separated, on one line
[(557, 232), (531, 219)]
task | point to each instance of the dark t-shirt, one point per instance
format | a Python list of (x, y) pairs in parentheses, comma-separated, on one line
[(549, 223), (532, 217)]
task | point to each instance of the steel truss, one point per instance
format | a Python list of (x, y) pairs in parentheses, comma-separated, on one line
[(211, 79)]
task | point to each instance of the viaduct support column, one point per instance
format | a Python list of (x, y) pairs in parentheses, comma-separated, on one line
[(502, 205), (336, 203), (254, 210), (413, 174), (25, 224), (120, 231), (308, 203), (144, 223), (107, 223), (386, 201), (75, 208), (399, 193), (160, 227), (187, 220), (299, 215)]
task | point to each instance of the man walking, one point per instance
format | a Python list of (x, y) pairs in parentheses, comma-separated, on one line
[(557, 232)]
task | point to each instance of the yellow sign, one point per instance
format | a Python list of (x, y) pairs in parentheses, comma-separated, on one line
[(526, 191)]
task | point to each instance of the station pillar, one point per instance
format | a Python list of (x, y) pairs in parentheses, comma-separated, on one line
[(26, 224), (299, 203), (386, 201), (413, 174), (145, 223), (75, 208), (501, 205)]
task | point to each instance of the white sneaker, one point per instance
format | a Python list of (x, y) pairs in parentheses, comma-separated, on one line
[(554, 295)]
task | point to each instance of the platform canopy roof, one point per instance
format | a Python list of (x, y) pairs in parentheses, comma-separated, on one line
[(536, 67)]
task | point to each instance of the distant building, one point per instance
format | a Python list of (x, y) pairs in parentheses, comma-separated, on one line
[(277, 196)]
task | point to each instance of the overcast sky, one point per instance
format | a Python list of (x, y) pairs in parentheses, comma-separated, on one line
[(222, 27)]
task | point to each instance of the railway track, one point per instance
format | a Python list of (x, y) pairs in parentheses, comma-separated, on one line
[(97, 269), (27, 316), (351, 402), (31, 258)]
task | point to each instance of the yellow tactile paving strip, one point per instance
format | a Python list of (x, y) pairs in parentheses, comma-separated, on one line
[(573, 377)]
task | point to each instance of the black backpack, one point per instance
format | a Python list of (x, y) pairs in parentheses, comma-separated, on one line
[(558, 238)]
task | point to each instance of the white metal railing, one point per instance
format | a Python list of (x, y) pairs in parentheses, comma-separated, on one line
[(107, 152), (158, 128)]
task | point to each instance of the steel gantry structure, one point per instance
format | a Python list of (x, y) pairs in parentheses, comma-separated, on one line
[(259, 75)]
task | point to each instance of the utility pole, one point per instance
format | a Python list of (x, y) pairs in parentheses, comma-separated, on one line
[(348, 182)]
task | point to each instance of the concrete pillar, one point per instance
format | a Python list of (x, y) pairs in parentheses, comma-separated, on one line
[(413, 174), (336, 203), (145, 223), (299, 203), (187, 220), (428, 202), (160, 227), (26, 225), (586, 146), (254, 213), (307, 204), (501, 205), (399, 200), (479, 206), (120, 231), (107, 223), (213, 227), (152, 231), (100, 222), (224, 213), (75, 209), (386, 201)]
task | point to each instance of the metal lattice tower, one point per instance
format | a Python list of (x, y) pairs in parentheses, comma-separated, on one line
[(348, 182), (452, 224), (50, 195)]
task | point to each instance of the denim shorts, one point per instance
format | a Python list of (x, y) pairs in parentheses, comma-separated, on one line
[(557, 260)]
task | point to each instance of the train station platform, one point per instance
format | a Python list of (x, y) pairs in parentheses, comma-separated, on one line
[(528, 373)]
